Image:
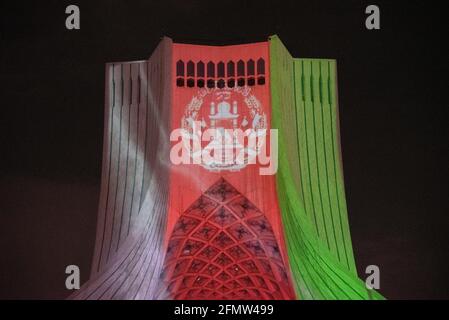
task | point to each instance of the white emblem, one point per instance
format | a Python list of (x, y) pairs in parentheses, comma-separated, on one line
[(218, 111)]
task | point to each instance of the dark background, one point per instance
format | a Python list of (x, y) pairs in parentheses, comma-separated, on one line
[(393, 111)]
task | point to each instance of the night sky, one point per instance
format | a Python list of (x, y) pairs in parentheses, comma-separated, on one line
[(393, 123)]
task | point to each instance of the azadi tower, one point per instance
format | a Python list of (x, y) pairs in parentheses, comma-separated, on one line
[(217, 227)]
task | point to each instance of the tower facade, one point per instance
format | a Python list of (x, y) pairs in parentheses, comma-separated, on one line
[(222, 179)]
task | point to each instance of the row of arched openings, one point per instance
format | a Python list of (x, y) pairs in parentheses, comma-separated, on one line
[(219, 74)]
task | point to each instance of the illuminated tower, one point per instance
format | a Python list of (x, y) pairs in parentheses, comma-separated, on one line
[(219, 229)]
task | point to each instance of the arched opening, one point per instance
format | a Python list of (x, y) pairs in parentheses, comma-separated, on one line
[(223, 247)]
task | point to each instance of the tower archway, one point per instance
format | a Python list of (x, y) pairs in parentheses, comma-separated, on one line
[(223, 247)]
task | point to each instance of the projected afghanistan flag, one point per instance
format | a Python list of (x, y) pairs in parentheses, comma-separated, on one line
[(222, 179)]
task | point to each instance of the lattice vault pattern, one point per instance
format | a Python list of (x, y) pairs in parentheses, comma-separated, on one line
[(223, 247)]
